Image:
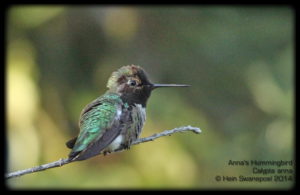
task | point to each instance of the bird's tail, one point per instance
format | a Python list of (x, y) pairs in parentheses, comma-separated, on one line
[(70, 144)]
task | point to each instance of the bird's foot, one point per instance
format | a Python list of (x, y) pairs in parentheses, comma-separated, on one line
[(106, 152), (126, 146)]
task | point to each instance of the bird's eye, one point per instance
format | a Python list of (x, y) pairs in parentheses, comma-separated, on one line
[(132, 82)]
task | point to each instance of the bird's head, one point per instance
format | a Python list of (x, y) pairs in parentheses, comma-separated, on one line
[(133, 84)]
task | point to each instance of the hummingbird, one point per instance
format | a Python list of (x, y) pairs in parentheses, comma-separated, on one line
[(114, 120)]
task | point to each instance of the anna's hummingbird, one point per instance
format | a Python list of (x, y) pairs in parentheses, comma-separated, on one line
[(114, 120)]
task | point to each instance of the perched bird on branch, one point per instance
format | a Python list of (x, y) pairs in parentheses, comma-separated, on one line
[(114, 120)]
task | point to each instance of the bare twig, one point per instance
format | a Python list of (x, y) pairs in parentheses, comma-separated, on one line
[(62, 162), (58, 163)]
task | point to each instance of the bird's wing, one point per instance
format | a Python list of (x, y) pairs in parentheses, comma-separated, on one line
[(100, 123)]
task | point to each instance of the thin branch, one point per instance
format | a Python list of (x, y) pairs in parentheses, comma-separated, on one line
[(58, 163), (62, 162), (167, 132)]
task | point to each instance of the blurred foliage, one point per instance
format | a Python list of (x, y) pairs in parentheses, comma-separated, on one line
[(239, 61)]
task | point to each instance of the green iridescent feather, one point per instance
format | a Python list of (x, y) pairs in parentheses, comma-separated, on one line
[(95, 119)]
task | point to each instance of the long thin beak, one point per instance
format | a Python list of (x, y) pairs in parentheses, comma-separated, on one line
[(154, 86)]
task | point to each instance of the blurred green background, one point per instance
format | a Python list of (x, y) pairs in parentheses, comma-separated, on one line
[(239, 61)]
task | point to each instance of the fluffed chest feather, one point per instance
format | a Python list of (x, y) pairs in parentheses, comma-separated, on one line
[(131, 128)]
